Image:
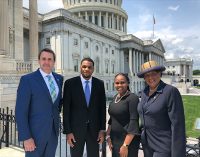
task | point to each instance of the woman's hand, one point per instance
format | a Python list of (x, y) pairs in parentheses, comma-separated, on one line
[(109, 143), (123, 151)]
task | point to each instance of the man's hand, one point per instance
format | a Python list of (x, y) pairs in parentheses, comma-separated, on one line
[(123, 151), (100, 138), (29, 145), (71, 139)]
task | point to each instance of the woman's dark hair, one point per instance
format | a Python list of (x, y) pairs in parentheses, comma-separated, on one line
[(126, 77)]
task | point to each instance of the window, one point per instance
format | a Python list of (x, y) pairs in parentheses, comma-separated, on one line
[(90, 18), (107, 86), (86, 45), (106, 50), (113, 52), (106, 67), (75, 42), (97, 65), (97, 48), (113, 68), (96, 20), (75, 61), (48, 41)]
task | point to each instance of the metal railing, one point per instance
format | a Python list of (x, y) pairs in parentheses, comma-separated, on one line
[(193, 150), (8, 129), (9, 136)]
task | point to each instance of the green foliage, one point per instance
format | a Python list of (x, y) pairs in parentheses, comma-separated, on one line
[(192, 111), (196, 72)]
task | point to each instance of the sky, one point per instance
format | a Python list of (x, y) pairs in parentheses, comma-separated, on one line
[(176, 23)]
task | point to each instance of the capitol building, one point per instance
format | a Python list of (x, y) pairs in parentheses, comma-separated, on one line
[(83, 28)]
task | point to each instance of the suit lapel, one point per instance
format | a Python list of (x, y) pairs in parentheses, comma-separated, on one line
[(40, 80), (81, 91), (58, 81), (92, 91)]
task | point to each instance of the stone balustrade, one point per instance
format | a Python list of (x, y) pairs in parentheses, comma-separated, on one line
[(23, 67)]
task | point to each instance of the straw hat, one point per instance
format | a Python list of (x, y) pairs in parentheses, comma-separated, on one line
[(148, 67)]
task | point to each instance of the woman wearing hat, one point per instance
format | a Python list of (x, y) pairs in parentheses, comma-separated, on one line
[(123, 129), (162, 115)]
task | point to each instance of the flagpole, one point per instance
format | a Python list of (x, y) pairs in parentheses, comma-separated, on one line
[(154, 22)]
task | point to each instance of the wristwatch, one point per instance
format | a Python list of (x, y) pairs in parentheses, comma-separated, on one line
[(125, 145), (107, 137)]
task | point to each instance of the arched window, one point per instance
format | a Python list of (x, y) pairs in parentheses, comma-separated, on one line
[(97, 65)]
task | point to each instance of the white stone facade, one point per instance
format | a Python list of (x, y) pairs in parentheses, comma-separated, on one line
[(181, 68), (104, 13), (73, 38)]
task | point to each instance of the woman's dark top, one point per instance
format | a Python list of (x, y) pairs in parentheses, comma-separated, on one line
[(124, 120)]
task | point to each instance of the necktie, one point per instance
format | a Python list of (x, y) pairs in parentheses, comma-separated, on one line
[(87, 92), (52, 88)]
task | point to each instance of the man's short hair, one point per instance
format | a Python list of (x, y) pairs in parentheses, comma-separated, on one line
[(87, 59), (49, 51)]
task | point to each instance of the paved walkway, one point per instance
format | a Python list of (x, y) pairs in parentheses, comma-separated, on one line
[(17, 152), (11, 152)]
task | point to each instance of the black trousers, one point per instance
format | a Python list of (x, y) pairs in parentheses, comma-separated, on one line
[(92, 146)]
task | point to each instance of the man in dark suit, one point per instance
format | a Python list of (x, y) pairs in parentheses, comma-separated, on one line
[(37, 108), (84, 111)]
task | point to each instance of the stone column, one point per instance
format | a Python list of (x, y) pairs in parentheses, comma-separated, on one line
[(110, 22), (117, 22), (150, 56), (86, 16), (93, 20), (121, 23), (18, 49), (33, 29), (134, 62), (121, 60), (125, 26), (130, 62), (4, 27), (106, 20), (113, 21), (99, 18)]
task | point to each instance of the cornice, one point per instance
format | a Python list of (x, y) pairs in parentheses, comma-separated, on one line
[(62, 14)]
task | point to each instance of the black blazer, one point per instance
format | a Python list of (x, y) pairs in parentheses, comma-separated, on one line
[(76, 114)]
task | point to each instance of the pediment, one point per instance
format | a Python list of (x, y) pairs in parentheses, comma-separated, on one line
[(158, 44)]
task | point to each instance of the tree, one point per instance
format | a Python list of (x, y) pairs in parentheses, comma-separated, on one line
[(196, 72)]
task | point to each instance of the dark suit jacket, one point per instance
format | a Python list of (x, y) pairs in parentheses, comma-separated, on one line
[(75, 111), (162, 115), (35, 112)]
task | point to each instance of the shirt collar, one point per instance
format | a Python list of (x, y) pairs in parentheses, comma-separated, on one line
[(83, 80), (44, 74), (159, 89)]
